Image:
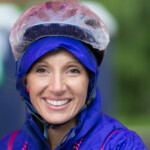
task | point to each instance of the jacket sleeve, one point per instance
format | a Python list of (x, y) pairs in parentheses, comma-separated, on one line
[(125, 140)]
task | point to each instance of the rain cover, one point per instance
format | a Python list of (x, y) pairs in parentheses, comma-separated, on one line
[(63, 18)]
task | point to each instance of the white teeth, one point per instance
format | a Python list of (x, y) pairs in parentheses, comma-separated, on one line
[(57, 103)]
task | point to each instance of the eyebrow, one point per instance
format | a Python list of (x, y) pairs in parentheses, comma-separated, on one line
[(41, 61), (74, 62)]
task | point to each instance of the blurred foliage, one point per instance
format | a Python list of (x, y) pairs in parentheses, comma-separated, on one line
[(132, 52)]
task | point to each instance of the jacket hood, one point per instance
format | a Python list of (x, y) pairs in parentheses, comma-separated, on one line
[(50, 44)]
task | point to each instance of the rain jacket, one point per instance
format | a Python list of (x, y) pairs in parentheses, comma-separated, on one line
[(99, 132)]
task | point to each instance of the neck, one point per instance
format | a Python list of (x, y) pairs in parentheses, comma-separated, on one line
[(55, 136)]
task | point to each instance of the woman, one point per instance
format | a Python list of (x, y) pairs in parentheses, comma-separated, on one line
[(58, 47)]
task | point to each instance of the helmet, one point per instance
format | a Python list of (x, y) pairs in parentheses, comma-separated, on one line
[(61, 18)]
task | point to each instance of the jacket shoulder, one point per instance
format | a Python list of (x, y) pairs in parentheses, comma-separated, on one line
[(125, 139), (5, 140), (17, 140)]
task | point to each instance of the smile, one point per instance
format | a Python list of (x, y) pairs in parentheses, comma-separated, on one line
[(57, 102)]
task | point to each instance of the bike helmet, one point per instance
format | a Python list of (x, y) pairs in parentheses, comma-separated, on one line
[(62, 18)]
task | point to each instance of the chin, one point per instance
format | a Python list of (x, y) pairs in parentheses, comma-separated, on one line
[(59, 121)]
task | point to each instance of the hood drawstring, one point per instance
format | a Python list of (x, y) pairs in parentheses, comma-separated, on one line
[(46, 127)]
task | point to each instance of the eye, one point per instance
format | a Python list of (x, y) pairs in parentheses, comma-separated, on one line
[(74, 71), (41, 70)]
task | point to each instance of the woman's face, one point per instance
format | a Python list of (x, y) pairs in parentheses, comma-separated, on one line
[(58, 85)]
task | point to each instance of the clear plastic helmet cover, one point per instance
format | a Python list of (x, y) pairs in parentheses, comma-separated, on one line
[(62, 18)]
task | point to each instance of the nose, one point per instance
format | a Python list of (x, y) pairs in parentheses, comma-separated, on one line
[(57, 84)]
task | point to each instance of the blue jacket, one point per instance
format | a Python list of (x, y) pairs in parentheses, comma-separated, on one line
[(98, 131)]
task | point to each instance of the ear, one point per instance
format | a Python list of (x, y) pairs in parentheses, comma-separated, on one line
[(26, 84), (24, 81)]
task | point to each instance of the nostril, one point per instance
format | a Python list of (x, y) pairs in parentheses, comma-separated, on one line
[(57, 87)]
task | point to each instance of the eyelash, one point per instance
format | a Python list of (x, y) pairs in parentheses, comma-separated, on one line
[(41, 70), (74, 71), (71, 70)]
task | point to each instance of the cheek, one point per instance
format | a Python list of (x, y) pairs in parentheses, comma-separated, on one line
[(83, 91), (80, 88), (34, 82), (85, 85), (35, 86)]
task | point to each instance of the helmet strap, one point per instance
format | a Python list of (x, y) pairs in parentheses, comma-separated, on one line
[(32, 111)]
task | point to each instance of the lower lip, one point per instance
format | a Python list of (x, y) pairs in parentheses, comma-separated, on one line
[(57, 108)]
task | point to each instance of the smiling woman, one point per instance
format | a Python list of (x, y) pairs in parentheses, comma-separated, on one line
[(58, 85), (58, 47)]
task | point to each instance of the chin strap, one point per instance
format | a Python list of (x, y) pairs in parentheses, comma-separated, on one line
[(32, 111), (46, 127)]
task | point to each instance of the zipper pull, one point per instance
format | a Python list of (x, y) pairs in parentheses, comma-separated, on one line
[(25, 146)]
